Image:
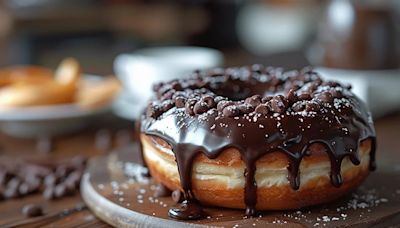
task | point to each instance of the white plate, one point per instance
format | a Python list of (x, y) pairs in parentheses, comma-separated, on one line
[(30, 122)]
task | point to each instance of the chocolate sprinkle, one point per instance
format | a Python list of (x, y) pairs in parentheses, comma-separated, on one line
[(291, 124)]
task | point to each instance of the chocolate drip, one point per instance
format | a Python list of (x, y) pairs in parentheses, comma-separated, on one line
[(331, 116), (187, 210)]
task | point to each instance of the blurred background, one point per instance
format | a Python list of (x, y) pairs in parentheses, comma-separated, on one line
[(336, 33)]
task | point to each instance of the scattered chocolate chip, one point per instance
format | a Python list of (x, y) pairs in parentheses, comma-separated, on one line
[(74, 178), (60, 190), (278, 104), (162, 191), (62, 171), (32, 210), (262, 109), (48, 193), (5, 176), (24, 189), (50, 180), (177, 196), (231, 111), (14, 183), (11, 193)]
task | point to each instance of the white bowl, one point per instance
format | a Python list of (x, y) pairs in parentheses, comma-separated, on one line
[(50, 120), (379, 89), (140, 70)]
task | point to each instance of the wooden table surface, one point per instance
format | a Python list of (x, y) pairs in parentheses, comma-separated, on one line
[(83, 143)]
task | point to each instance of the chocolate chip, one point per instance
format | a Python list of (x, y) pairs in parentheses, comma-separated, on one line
[(10, 193), (336, 93), (177, 196), (14, 183), (24, 189), (266, 99), (176, 86), (312, 106), (222, 104), (154, 111), (331, 84), (200, 107), (62, 171), (292, 96), (325, 97), (278, 104), (262, 109), (209, 100), (74, 177), (299, 106), (253, 100), (167, 105), (218, 99), (168, 95), (245, 108), (304, 96), (50, 180), (189, 106), (180, 102), (161, 191), (231, 111), (32, 210), (60, 190), (48, 193), (5, 176)]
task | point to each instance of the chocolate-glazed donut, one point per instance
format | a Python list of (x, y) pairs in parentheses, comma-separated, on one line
[(256, 137)]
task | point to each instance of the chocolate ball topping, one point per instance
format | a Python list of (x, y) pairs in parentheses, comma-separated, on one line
[(240, 91)]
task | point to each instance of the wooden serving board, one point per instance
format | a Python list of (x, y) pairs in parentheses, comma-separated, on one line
[(116, 192)]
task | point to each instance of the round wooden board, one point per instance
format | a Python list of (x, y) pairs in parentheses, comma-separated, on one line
[(117, 193)]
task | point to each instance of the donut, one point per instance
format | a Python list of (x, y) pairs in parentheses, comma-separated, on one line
[(256, 138)]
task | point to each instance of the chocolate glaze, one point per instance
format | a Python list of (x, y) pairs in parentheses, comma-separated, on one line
[(257, 110)]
